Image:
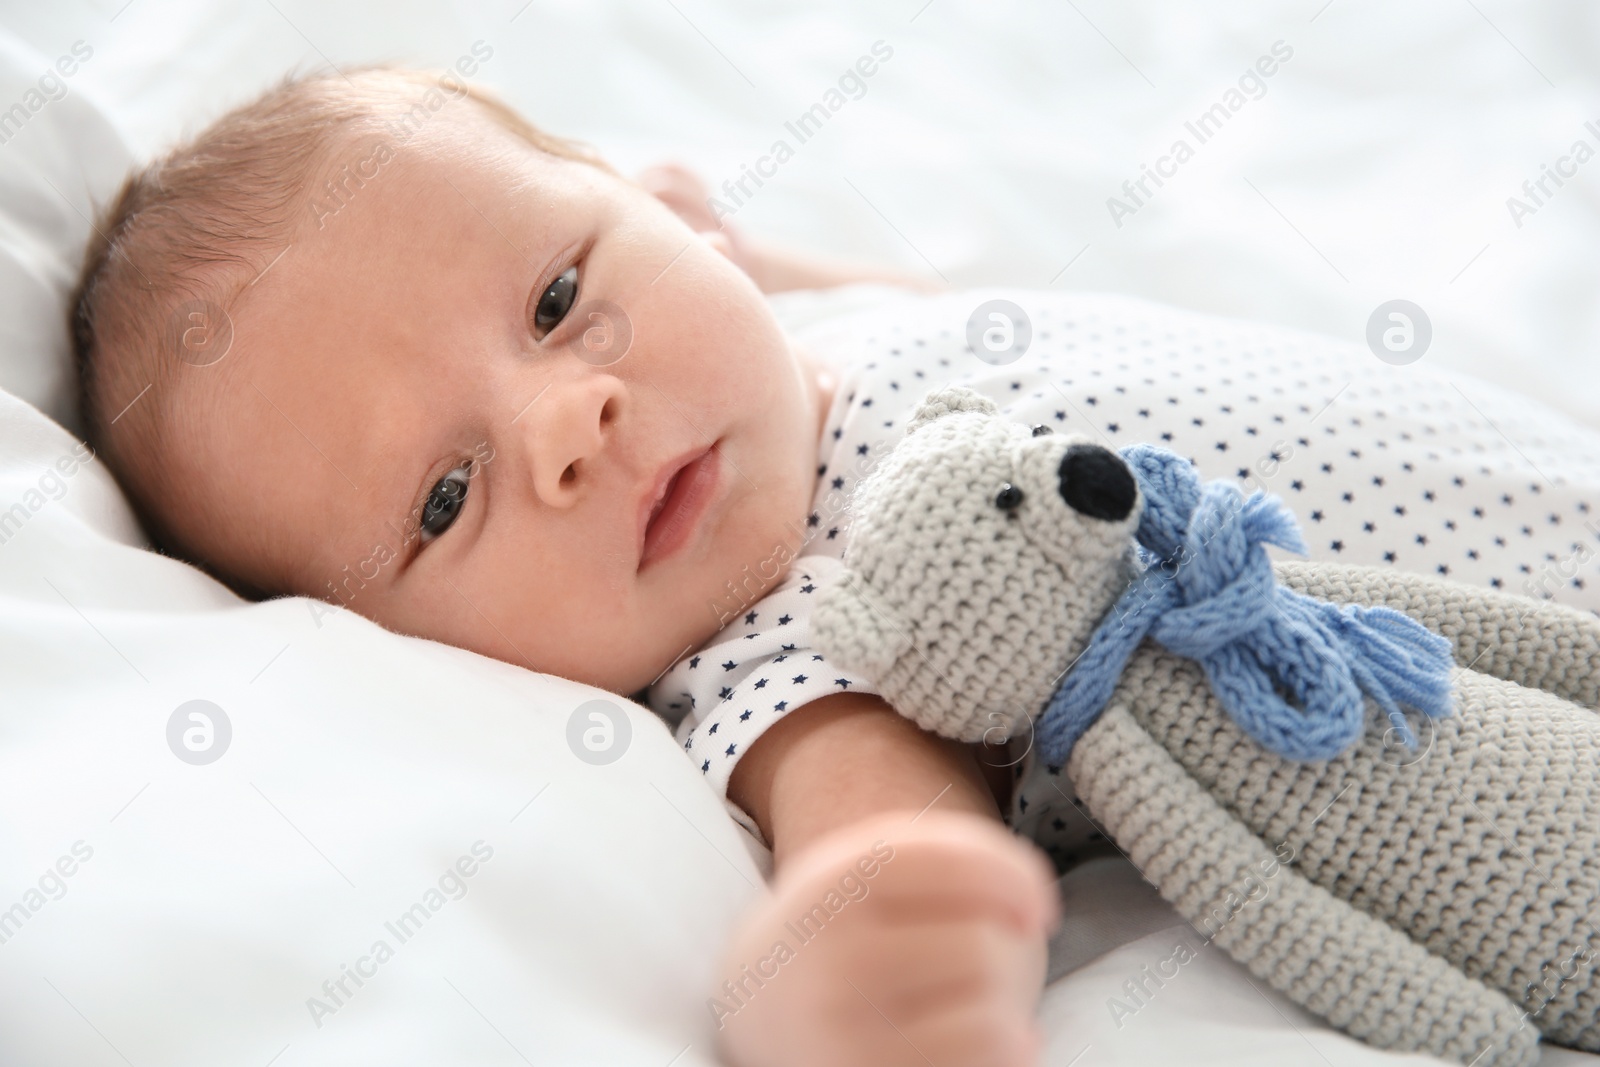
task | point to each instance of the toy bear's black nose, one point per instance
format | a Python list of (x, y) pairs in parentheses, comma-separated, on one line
[(1095, 482)]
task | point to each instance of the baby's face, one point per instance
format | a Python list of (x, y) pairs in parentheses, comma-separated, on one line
[(410, 423)]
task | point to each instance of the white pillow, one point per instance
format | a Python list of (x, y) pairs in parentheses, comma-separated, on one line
[(157, 910), (197, 909), (60, 151)]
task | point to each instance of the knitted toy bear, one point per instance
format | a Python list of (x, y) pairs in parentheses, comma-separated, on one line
[(1209, 706)]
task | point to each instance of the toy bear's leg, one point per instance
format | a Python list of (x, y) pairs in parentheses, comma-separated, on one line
[(1535, 643), (1357, 972)]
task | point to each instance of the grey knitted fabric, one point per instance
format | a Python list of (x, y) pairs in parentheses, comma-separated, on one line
[(1536, 644), (1360, 974), (989, 637), (1444, 900)]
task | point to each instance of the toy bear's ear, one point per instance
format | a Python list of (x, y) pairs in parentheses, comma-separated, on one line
[(950, 399), (852, 629)]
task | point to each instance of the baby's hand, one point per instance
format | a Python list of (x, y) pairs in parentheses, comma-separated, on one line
[(894, 942)]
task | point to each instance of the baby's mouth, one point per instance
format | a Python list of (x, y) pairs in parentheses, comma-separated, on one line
[(681, 502)]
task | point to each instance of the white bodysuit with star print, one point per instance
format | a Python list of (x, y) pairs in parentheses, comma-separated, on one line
[(1404, 466)]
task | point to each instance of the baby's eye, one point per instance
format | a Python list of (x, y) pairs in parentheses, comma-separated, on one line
[(444, 504), (556, 302)]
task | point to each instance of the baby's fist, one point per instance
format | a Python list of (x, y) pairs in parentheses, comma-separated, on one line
[(894, 942)]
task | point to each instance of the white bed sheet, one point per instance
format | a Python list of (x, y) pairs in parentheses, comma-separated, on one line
[(219, 898)]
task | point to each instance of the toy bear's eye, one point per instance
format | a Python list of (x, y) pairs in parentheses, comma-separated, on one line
[(1041, 429), (1009, 498)]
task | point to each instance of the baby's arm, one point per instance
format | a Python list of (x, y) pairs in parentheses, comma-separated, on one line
[(944, 949), (845, 757)]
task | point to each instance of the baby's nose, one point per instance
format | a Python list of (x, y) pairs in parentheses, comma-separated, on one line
[(1095, 482)]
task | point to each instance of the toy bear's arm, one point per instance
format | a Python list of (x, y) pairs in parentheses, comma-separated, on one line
[(1359, 973), (1538, 644)]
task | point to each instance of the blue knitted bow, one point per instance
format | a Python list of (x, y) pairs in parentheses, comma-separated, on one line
[(1208, 592)]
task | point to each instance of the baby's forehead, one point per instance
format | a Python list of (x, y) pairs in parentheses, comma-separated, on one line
[(412, 174)]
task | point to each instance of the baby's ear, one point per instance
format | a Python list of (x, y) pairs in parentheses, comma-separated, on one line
[(852, 629), (948, 400)]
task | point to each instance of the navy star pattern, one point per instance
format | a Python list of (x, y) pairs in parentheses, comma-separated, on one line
[(1383, 466), (734, 677)]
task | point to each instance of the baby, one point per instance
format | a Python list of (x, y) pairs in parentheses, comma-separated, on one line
[(373, 338)]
